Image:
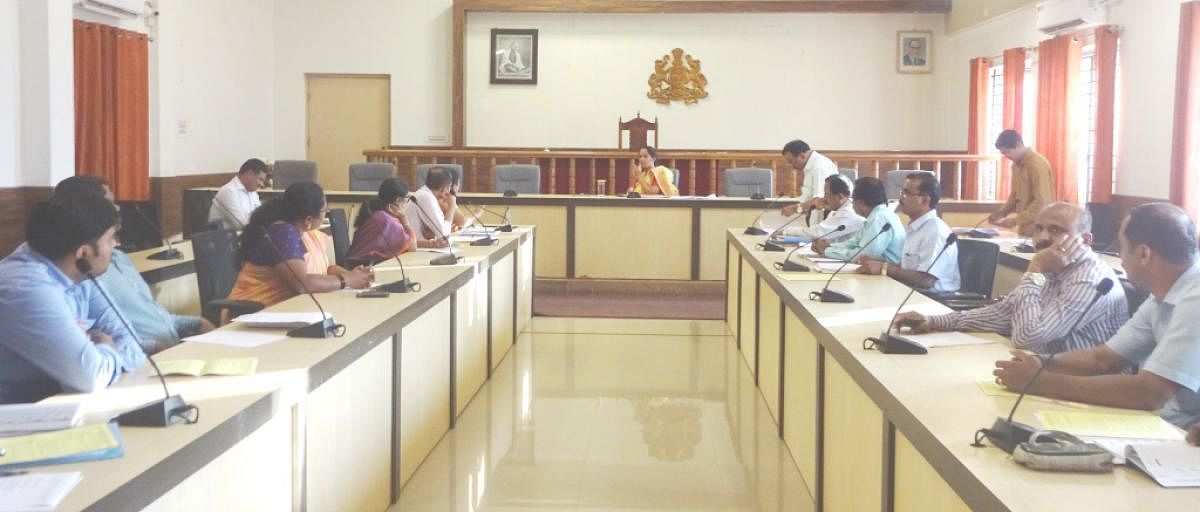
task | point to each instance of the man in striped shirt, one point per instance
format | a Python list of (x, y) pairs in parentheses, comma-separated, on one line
[(1052, 295)]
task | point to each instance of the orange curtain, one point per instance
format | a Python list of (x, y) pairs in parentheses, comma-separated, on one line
[(976, 124), (1184, 175), (112, 119), (1058, 98), (1106, 94), (1014, 94)]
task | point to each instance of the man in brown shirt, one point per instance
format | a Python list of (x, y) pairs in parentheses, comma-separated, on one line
[(1032, 184)]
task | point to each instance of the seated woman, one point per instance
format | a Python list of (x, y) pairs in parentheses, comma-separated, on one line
[(272, 250), (651, 179), (381, 230)]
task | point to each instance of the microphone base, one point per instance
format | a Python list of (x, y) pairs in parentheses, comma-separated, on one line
[(757, 196), (975, 233), (791, 266), (510, 193), (159, 413), (889, 344), (1006, 435), (633, 195), (754, 231), (445, 259), (828, 295), (169, 254), (484, 242), (507, 228), (770, 246), (314, 330), (401, 286)]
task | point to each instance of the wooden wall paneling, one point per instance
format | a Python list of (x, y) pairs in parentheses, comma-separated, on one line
[(611, 186), (167, 193), (712, 178), (15, 204)]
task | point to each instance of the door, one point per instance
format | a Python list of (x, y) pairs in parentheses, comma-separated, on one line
[(346, 115)]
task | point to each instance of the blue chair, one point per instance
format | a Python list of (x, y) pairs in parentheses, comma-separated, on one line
[(287, 172), (747, 181), (519, 178), (850, 174), (456, 170), (367, 176)]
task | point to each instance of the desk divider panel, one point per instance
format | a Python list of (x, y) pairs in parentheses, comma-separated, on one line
[(424, 401), (747, 326), (770, 357), (852, 448), (525, 266), (733, 268), (470, 340), (802, 383), (713, 224), (502, 308), (550, 251), (916, 485), (630, 242)]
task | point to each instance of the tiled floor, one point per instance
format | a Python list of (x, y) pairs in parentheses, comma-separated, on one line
[(607, 415)]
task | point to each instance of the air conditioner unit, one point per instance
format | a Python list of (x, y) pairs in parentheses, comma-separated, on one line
[(1058, 16), (123, 9)]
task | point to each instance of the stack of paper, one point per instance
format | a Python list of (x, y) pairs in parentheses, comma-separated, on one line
[(36, 491), (1170, 464), (34, 417), (1114, 432), (198, 367), (279, 320), (244, 338)]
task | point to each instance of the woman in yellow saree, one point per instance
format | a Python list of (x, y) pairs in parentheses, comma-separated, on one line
[(652, 179)]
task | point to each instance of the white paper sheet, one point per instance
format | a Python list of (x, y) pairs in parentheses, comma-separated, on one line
[(34, 417), (279, 320), (1171, 465), (36, 491), (237, 337)]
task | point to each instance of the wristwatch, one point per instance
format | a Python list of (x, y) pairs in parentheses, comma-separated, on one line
[(342, 280), (1038, 278)]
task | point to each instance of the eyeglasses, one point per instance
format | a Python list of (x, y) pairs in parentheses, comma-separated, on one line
[(908, 193)]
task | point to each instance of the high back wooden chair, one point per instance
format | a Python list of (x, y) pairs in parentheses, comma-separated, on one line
[(637, 128)]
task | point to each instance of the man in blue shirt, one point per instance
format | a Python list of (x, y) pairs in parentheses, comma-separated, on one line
[(1159, 252), (870, 201), (156, 327), (924, 240), (57, 333)]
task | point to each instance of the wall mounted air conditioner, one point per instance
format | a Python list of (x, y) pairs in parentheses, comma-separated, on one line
[(1058, 16), (123, 9)]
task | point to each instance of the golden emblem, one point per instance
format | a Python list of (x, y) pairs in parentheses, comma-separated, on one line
[(677, 77)]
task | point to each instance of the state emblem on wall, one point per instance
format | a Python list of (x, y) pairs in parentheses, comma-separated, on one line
[(677, 77)]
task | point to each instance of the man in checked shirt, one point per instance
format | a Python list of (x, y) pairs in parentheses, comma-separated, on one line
[(1056, 289)]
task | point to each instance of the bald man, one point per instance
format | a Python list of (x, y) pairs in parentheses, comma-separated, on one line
[(1159, 252), (1053, 293)]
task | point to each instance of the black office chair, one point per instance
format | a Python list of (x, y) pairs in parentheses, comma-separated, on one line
[(1134, 295), (977, 270), (340, 229), (196, 206), (216, 273)]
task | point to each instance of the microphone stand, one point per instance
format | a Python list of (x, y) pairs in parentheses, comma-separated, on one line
[(751, 229), (788, 265), (401, 286), (444, 259), (507, 227), (482, 242), (889, 344), (324, 328), (171, 253), (770, 246), (1005, 433), (827, 295)]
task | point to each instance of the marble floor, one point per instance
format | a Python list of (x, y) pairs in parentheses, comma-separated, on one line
[(595, 414)]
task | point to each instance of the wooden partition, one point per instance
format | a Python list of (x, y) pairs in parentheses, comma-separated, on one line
[(575, 171)]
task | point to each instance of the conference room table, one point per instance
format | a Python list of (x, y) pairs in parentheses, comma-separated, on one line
[(874, 431), (322, 424)]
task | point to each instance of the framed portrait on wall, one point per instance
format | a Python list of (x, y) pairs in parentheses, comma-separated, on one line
[(514, 56), (914, 51)]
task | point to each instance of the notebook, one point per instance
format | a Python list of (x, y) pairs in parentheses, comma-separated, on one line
[(199, 367), (1170, 464), (35, 417), (36, 492), (78, 444)]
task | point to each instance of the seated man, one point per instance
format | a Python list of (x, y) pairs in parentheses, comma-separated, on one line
[(432, 209), (57, 333), (1056, 289), (236, 200), (1158, 251), (156, 328), (871, 202), (839, 212), (923, 241)]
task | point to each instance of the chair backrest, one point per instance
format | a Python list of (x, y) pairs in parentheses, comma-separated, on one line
[(747, 181), (520, 178), (850, 174), (1104, 225), (676, 180), (366, 176), (977, 265), (196, 212), (1134, 295), (287, 172), (456, 170), (216, 268), (637, 128), (894, 181), (340, 229)]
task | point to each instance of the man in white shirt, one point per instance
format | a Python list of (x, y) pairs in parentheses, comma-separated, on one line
[(839, 212), (814, 168), (924, 239), (236, 200), (431, 212)]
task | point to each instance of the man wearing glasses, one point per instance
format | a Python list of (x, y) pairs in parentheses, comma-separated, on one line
[(924, 238)]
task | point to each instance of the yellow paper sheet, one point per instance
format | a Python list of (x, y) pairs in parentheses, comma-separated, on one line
[(193, 367), (198, 367), (990, 388), (1139, 426), (60, 443), (804, 276)]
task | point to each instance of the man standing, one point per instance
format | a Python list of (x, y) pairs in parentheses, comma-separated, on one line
[(1159, 252), (1055, 291), (924, 239), (1032, 184), (237, 199)]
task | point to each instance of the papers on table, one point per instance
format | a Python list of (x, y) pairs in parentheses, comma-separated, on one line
[(35, 417), (89, 442), (942, 339), (820, 266), (1170, 464), (279, 320), (199, 367), (1140, 426), (989, 387), (1117, 445), (35, 492), (804, 276), (244, 338)]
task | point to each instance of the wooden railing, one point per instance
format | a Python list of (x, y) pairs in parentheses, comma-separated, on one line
[(575, 171)]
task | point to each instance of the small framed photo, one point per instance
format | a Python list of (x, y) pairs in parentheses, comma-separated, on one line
[(514, 56), (914, 51)]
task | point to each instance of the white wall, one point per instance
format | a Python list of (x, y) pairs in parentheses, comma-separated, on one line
[(408, 39), (47, 93), (10, 98), (827, 78)]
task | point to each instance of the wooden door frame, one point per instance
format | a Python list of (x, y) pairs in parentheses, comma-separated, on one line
[(307, 97)]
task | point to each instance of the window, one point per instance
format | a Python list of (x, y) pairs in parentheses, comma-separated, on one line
[(995, 124), (1086, 117)]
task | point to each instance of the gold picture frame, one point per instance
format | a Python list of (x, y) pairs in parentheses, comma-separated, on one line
[(914, 51)]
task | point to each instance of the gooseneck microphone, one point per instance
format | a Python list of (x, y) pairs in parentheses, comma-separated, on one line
[(770, 246), (827, 295), (507, 226), (1005, 433), (167, 411), (401, 286), (324, 328), (482, 242), (444, 259), (171, 253), (889, 344), (751, 229), (790, 266)]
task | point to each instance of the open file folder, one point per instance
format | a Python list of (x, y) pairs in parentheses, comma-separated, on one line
[(79, 444)]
